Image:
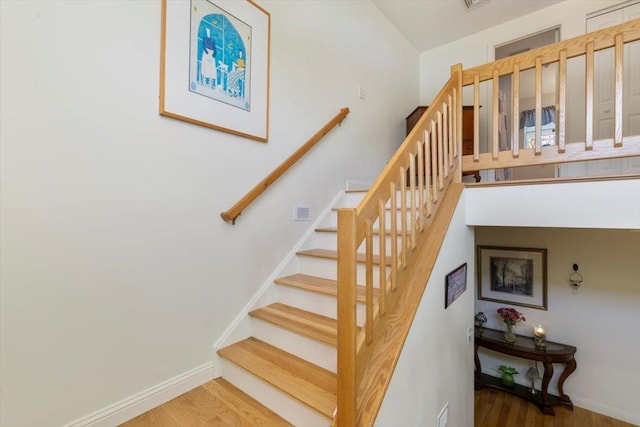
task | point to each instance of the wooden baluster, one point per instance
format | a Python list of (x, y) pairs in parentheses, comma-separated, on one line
[(495, 144), (619, 94), (454, 124), (440, 154), (450, 114), (589, 97), (394, 236), (403, 218), (382, 269), (434, 161), (562, 101), (412, 186), (445, 140), (476, 117), (538, 149), (427, 168), (421, 182), (347, 272), (515, 111), (369, 280)]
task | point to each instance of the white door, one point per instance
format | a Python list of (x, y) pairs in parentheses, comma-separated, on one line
[(603, 113)]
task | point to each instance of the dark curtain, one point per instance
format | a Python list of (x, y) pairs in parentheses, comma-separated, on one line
[(528, 117)]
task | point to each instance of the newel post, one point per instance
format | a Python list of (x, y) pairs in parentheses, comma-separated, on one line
[(347, 247), (456, 74)]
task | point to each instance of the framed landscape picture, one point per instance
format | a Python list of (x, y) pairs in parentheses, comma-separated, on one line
[(516, 276), (455, 284), (214, 68)]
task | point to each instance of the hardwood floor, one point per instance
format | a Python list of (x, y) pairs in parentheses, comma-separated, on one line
[(497, 409), (217, 403)]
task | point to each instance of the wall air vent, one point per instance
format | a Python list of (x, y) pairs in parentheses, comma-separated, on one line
[(302, 211), (472, 4)]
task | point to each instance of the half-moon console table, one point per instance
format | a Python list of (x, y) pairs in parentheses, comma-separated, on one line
[(524, 347)]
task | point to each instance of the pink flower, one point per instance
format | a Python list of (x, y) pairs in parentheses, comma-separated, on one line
[(511, 316)]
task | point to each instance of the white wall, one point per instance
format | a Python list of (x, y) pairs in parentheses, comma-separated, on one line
[(595, 204), (436, 364), (601, 319), (117, 271)]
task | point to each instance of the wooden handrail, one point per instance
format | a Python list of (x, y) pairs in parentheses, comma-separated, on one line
[(237, 209)]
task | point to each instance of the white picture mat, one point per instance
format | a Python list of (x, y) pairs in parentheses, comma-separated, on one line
[(179, 101)]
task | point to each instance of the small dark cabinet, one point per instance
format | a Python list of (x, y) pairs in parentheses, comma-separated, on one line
[(467, 130)]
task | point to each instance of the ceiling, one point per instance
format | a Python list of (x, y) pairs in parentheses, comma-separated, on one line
[(430, 23)]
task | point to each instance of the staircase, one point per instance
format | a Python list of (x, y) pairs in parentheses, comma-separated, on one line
[(289, 362)]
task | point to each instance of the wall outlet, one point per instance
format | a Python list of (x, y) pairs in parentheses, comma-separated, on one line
[(443, 417)]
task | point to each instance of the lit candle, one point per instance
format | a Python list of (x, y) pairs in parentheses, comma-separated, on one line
[(539, 336)]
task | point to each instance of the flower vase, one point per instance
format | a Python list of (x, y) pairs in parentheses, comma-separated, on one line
[(509, 332), (507, 380)]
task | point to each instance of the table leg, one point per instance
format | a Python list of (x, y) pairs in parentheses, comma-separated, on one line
[(546, 378), (478, 371), (568, 370)]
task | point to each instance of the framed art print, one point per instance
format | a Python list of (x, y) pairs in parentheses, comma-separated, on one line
[(455, 284), (214, 68), (516, 276)]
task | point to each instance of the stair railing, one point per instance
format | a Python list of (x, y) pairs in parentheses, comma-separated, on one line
[(431, 158), (617, 146), (235, 211)]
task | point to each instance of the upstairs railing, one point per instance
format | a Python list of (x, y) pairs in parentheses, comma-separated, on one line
[(616, 145), (403, 201), (235, 211), (400, 204)]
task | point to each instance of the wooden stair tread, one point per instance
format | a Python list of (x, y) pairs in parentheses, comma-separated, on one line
[(304, 381), (320, 285), (331, 254), (312, 325)]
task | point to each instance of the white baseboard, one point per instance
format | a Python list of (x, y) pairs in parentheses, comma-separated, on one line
[(617, 413), (140, 403)]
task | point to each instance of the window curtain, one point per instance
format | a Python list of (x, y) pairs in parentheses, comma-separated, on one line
[(528, 117)]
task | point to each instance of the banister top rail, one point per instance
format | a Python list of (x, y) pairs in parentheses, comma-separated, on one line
[(235, 211), (602, 39)]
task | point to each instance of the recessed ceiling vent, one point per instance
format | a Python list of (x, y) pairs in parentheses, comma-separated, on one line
[(472, 4)]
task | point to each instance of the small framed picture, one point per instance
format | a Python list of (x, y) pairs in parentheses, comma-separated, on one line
[(516, 276), (455, 284)]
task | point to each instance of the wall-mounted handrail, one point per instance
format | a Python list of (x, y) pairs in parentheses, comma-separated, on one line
[(237, 209)]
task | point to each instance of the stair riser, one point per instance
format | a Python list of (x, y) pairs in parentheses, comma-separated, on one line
[(325, 240), (318, 353), (325, 305), (282, 404), (349, 200), (328, 269), (332, 219)]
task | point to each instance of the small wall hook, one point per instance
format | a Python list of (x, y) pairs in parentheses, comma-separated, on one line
[(576, 278)]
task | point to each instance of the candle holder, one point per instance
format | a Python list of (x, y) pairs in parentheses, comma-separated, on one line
[(540, 337)]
